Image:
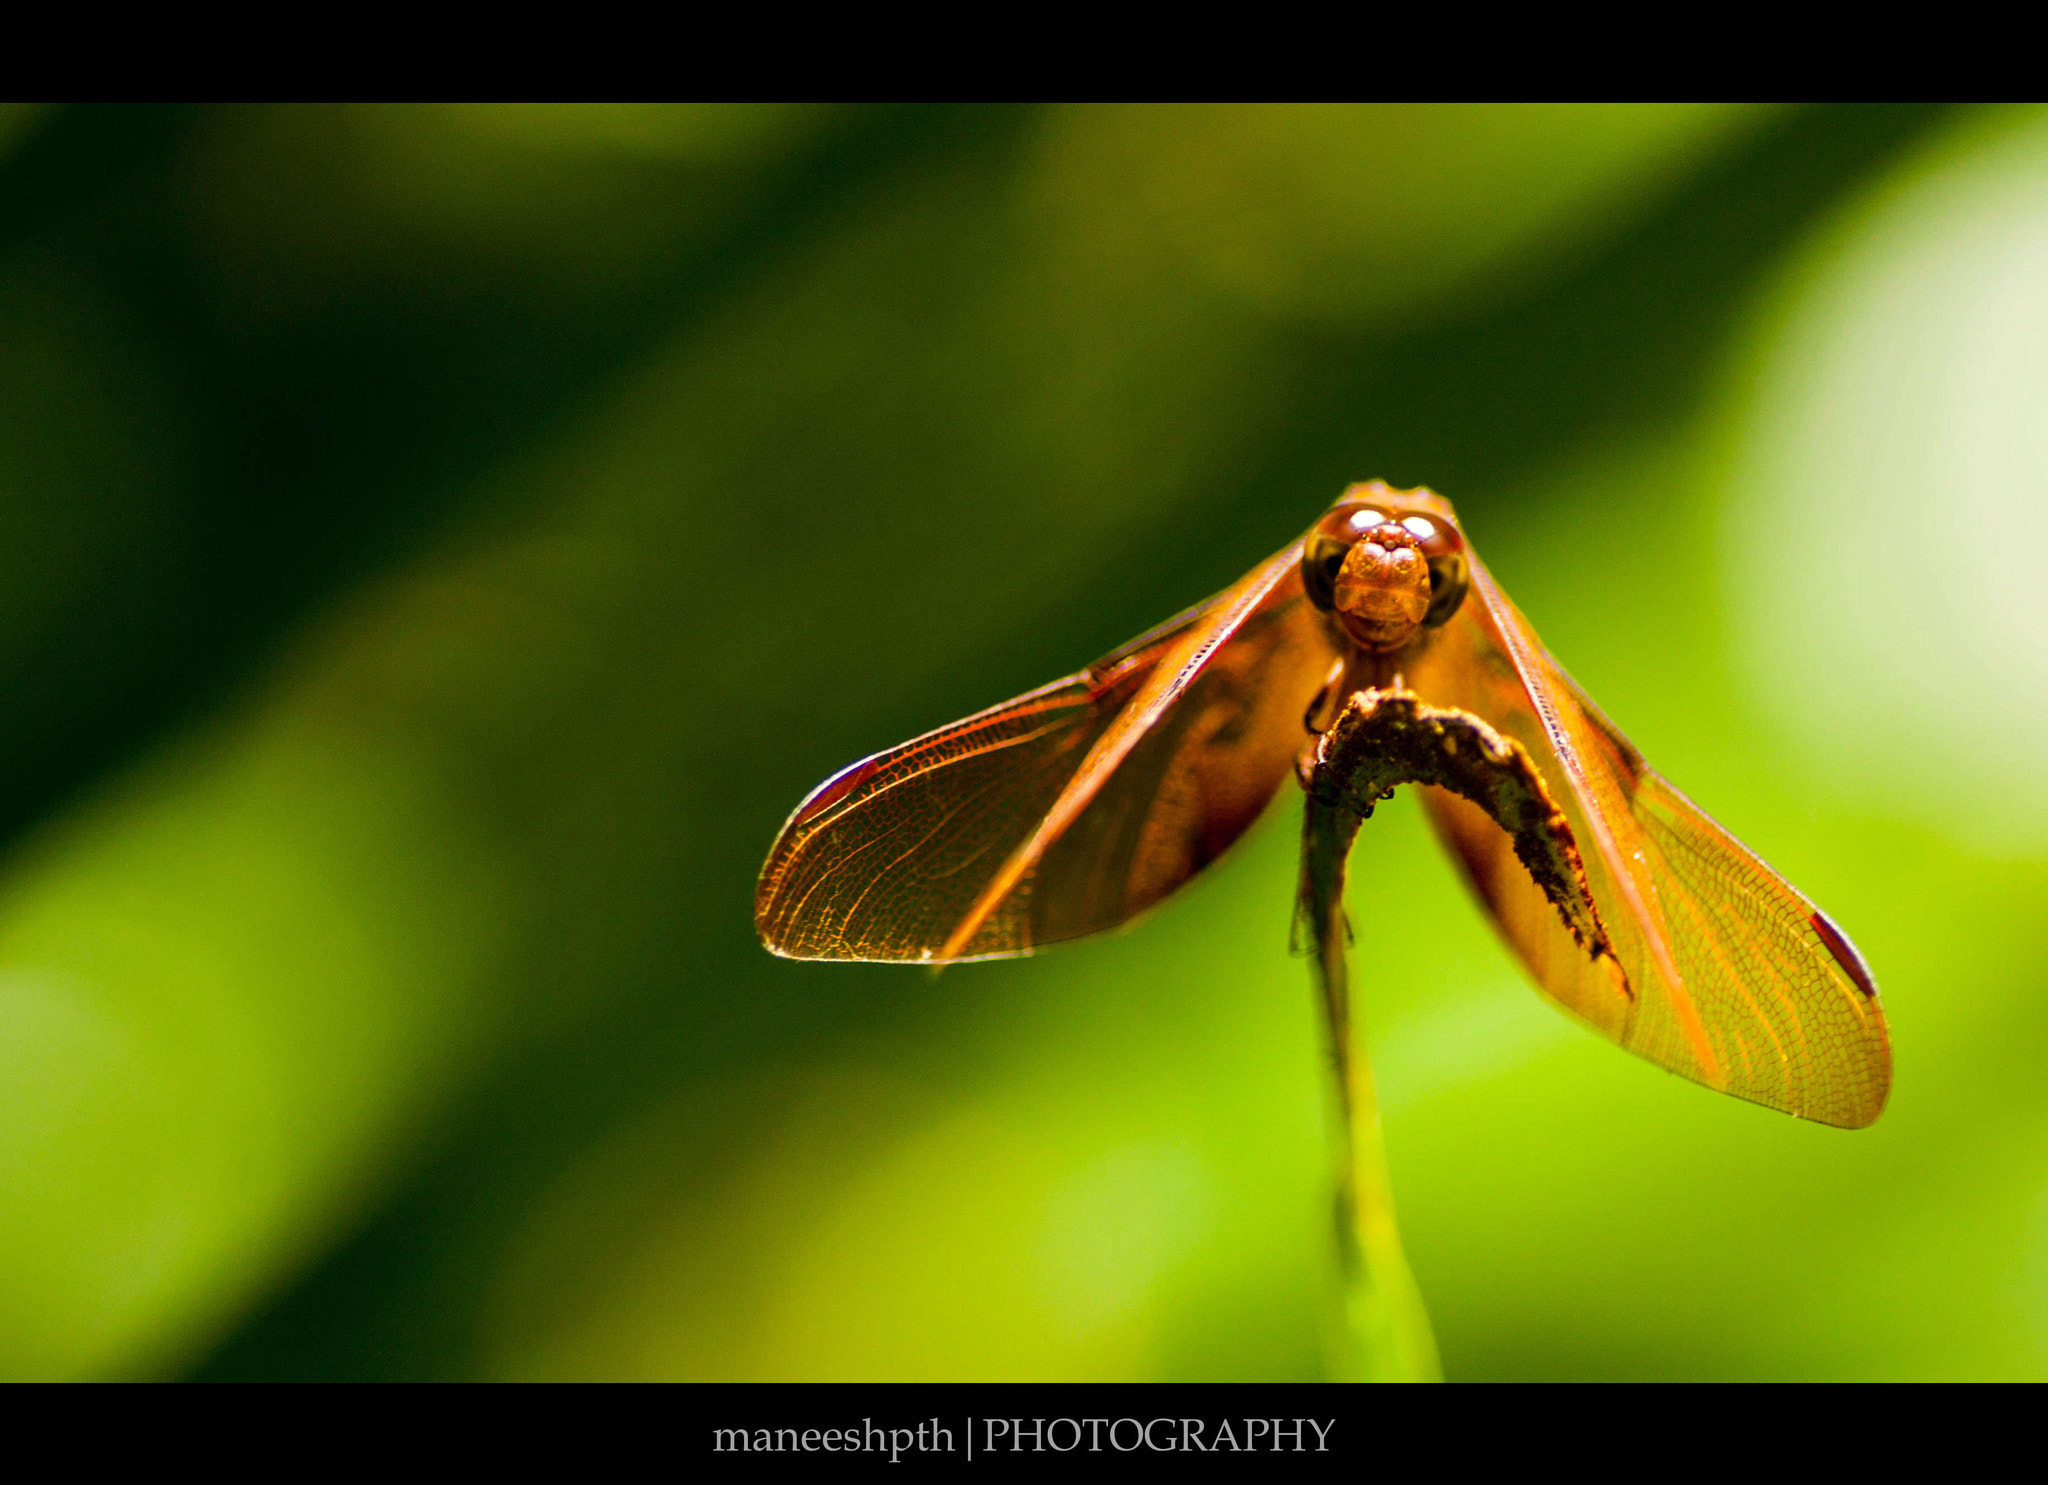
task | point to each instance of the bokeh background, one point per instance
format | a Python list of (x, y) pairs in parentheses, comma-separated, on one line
[(438, 546)]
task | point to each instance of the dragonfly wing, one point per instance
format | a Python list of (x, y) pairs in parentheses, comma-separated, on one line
[(1791, 1009), (1156, 758), (1196, 778), (883, 859), (1716, 968)]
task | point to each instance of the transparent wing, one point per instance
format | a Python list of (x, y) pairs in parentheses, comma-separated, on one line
[(1158, 757), (1719, 970)]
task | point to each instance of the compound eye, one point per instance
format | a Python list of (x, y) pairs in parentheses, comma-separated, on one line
[(1449, 577), (1323, 553)]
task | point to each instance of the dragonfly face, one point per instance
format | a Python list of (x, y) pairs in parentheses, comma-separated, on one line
[(1385, 564)]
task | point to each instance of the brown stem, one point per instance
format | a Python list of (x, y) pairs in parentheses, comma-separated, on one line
[(1385, 1333), (1383, 738)]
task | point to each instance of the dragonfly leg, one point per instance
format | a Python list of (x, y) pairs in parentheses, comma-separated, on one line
[(1323, 710)]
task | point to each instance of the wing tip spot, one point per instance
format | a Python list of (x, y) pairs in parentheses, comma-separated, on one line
[(1844, 953)]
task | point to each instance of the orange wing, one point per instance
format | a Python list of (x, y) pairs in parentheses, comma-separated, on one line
[(1720, 971), (1066, 811)]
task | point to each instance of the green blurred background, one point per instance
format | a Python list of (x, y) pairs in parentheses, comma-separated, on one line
[(441, 544)]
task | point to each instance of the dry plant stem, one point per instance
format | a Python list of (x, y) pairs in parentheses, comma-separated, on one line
[(1381, 739), (1385, 1333)]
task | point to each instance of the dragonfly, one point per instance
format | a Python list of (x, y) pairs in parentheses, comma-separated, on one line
[(1076, 807)]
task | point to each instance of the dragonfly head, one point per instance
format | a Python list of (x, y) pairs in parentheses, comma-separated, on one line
[(1382, 587), (1387, 563)]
